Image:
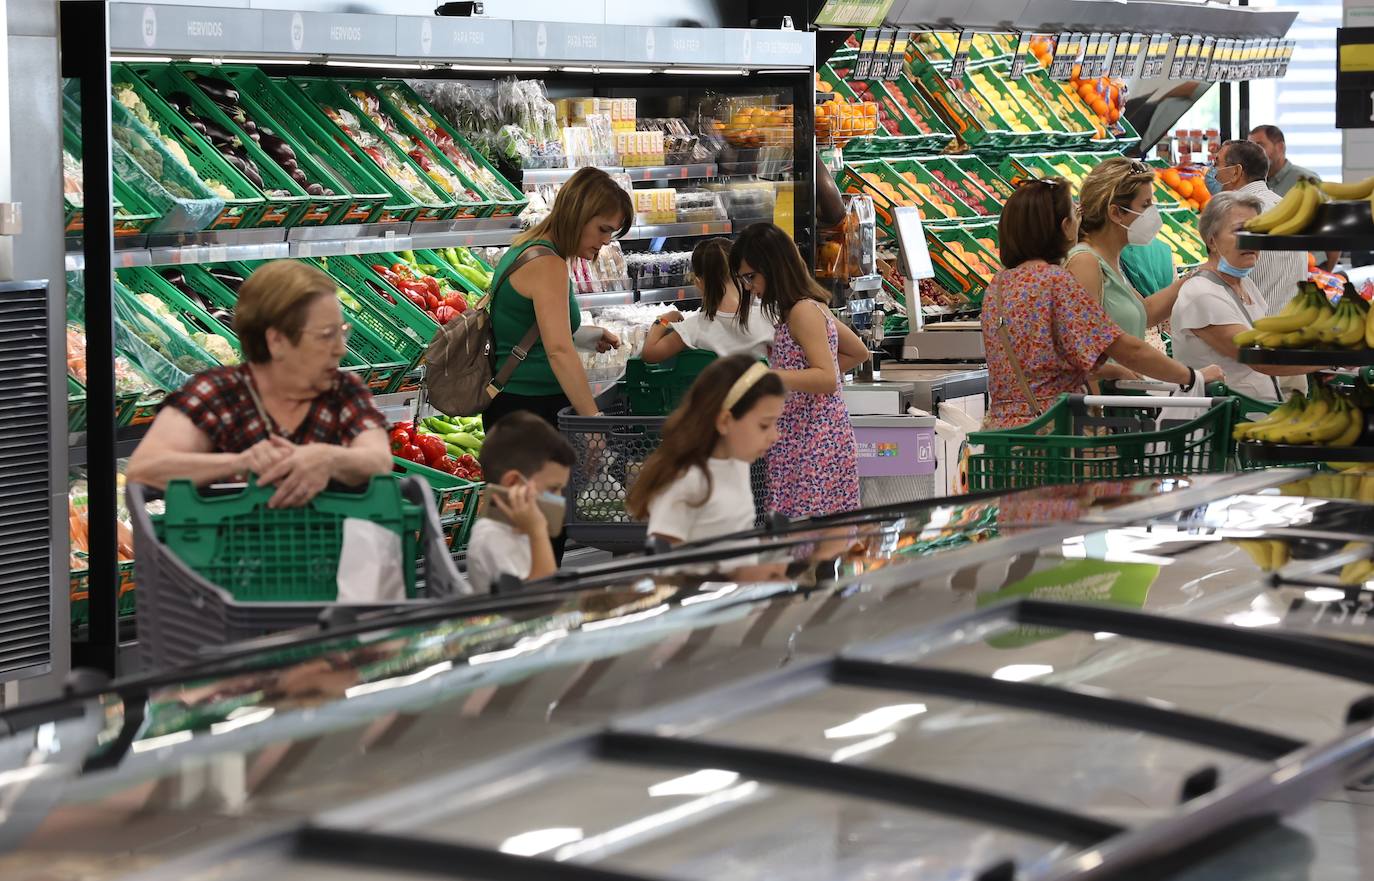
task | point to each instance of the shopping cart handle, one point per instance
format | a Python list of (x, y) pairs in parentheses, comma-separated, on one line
[(1147, 401), (1144, 385)]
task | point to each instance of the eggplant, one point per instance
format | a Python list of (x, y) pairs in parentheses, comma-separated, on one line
[(249, 125), (219, 134), (230, 279), (219, 90), (299, 177), (288, 165), (183, 102), (199, 126), (315, 190), (174, 277), (276, 147), (224, 317)]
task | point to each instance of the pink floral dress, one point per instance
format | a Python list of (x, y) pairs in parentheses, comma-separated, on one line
[(813, 469), (1060, 333)]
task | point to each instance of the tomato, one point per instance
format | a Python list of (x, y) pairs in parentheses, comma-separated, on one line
[(400, 437)]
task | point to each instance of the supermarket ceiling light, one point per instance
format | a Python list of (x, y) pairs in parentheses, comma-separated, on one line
[(607, 69), (707, 71), (389, 65), (219, 61), (500, 68)]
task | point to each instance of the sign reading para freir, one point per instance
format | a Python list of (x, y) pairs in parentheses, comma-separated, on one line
[(453, 38)]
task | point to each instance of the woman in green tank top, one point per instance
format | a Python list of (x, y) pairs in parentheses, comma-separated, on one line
[(533, 287), (1117, 208)]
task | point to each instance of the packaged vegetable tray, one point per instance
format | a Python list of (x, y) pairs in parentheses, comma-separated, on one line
[(284, 194), (333, 107), (132, 214), (168, 339), (245, 206), (431, 126), (376, 198)]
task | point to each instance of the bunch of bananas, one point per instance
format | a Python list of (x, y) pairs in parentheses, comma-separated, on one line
[(1308, 321), (1269, 554), (1323, 417), (1356, 486), (1295, 213)]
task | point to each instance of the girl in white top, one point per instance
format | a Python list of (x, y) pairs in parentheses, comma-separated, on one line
[(721, 326), (696, 486), (1220, 301)]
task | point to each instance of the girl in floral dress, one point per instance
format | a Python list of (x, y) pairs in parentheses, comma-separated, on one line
[(813, 468), (1060, 335)]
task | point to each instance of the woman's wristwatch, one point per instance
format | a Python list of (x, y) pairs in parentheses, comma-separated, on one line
[(1192, 381)]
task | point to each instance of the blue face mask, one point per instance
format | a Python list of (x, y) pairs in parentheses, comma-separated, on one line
[(1213, 185), (1234, 271)]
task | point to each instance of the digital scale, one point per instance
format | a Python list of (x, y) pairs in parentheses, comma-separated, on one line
[(955, 341)]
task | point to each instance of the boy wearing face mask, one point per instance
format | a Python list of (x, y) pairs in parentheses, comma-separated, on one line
[(1118, 209), (1242, 168), (531, 463)]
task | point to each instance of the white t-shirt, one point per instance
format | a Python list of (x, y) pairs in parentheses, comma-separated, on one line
[(1203, 303), (496, 549), (730, 509), (724, 335)]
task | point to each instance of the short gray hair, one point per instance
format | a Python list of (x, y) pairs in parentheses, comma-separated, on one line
[(1218, 209), (1251, 158)]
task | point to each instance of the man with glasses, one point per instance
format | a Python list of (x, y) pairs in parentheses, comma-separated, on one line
[(1242, 167)]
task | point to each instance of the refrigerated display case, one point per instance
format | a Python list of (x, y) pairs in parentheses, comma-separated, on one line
[(1123, 679)]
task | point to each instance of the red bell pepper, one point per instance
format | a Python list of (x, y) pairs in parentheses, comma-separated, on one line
[(433, 447), (445, 314), (412, 453), (400, 437)]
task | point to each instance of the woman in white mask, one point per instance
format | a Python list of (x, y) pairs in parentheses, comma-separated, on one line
[(1118, 208)]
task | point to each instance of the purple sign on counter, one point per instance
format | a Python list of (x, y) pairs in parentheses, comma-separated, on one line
[(895, 452)]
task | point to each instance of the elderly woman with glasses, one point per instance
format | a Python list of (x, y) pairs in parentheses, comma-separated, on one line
[(1221, 300), (287, 415), (1044, 334)]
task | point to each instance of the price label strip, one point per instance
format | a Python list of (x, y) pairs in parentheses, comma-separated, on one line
[(961, 52), (1120, 56), (901, 49), (882, 52), (863, 65), (1018, 61), (1061, 68), (1289, 46), (1180, 61)]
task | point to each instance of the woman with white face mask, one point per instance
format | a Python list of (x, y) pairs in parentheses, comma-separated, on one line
[(1118, 209)]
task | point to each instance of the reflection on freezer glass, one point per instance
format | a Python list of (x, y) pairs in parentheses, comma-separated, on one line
[(711, 823), (1117, 774), (1270, 697)]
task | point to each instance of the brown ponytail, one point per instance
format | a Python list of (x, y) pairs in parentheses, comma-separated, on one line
[(711, 269)]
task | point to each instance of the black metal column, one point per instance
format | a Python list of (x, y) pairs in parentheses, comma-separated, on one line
[(85, 57), (1243, 102), (804, 164), (1227, 129)]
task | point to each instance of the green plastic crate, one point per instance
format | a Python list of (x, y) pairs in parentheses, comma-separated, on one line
[(969, 193), (1026, 129), (132, 214), (286, 202), (657, 389), (376, 198), (187, 356), (80, 599), (938, 192), (345, 206), (405, 105), (146, 280), (455, 498), (990, 181), (257, 553), (322, 96), (76, 405), (1067, 107), (980, 129), (1069, 444), (404, 327), (248, 208)]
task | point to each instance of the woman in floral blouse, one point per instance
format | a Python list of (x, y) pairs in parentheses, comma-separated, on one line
[(1060, 335)]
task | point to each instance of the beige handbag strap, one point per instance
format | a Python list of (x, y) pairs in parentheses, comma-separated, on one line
[(1005, 339)]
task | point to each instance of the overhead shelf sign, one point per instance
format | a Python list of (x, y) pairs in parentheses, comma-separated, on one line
[(452, 38), (322, 33), (185, 28)]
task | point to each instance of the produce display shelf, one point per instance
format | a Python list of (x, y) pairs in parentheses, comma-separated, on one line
[(669, 295), (1304, 357), (1357, 241), (334, 241), (606, 298), (697, 171), (125, 440), (1304, 453)]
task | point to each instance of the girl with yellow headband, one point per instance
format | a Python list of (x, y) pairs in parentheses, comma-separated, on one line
[(696, 484)]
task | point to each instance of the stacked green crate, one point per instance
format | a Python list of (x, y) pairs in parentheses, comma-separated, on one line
[(988, 180), (965, 187), (1032, 126), (378, 199), (971, 118), (943, 205), (288, 203), (432, 128), (333, 106), (245, 206)]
